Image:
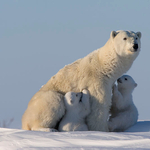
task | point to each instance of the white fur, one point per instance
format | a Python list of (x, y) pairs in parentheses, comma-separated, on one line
[(38, 115), (123, 111), (77, 108), (96, 72)]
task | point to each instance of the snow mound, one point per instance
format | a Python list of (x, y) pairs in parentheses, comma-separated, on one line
[(137, 137)]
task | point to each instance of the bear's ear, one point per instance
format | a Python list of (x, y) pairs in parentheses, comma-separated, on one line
[(113, 34), (135, 85), (139, 34)]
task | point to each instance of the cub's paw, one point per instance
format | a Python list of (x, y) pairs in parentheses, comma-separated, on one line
[(114, 88), (85, 91)]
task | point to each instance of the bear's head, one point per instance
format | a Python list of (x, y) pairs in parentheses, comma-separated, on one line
[(126, 83), (126, 43)]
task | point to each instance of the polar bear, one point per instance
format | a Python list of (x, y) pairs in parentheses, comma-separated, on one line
[(123, 111), (96, 72), (77, 108)]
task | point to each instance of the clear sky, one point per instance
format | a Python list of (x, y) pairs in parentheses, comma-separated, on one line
[(37, 38)]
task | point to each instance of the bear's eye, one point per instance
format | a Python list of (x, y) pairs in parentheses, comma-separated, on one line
[(125, 38), (136, 38), (125, 78)]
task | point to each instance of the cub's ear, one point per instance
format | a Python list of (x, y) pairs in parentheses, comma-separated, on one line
[(139, 34), (113, 34)]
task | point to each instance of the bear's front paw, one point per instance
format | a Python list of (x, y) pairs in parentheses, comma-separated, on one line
[(53, 130)]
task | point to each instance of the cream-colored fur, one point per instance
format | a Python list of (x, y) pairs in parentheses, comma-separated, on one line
[(123, 111), (39, 116), (96, 72), (77, 108)]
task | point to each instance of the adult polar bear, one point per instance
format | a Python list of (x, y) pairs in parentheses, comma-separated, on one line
[(96, 72)]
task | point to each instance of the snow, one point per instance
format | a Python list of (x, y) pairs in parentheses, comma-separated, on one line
[(136, 137)]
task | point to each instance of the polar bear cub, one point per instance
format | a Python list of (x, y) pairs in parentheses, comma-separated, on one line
[(77, 108), (123, 111)]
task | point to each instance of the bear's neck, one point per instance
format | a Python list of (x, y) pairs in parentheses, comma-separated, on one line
[(73, 117), (113, 64), (125, 91), (127, 99)]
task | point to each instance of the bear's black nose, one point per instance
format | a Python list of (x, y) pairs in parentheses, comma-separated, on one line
[(135, 46), (119, 80)]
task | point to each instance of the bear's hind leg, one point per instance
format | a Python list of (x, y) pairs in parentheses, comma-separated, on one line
[(44, 111)]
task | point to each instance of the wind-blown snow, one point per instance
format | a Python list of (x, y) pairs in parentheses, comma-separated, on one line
[(136, 137)]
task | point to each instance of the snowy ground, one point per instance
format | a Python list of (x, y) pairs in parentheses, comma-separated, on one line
[(137, 137)]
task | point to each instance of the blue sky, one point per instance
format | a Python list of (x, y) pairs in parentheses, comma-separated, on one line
[(37, 38)]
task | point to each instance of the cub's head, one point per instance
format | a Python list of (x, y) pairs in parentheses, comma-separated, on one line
[(77, 102), (72, 99), (126, 83), (126, 43)]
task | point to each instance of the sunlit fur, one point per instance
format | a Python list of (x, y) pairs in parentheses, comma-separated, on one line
[(96, 72)]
